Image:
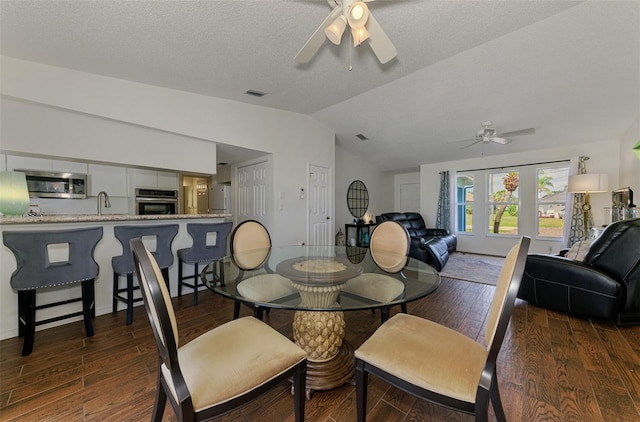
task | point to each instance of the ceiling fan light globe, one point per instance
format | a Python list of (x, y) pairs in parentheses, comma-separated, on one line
[(358, 15), (359, 35), (336, 29)]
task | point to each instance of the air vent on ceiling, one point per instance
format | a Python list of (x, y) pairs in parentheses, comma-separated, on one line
[(361, 137), (255, 93)]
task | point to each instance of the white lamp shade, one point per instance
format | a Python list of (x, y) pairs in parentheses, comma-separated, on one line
[(358, 15), (359, 35), (591, 183), (336, 29), (14, 195)]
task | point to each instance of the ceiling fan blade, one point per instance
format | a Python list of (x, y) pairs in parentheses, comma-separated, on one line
[(529, 131), (314, 43), (499, 140), (462, 140), (379, 41), (472, 144)]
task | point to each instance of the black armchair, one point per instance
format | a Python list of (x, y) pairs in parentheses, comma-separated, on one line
[(606, 284)]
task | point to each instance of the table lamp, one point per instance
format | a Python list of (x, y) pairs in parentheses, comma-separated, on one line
[(14, 195), (587, 183)]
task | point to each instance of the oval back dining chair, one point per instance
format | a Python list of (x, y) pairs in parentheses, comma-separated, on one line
[(250, 249), (438, 364), (221, 369), (389, 248)]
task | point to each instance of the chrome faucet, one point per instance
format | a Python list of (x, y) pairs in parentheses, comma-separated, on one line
[(107, 203)]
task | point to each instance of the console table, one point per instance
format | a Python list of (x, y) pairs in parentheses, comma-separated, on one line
[(362, 233)]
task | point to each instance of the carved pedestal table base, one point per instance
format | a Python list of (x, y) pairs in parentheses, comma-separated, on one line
[(321, 335)]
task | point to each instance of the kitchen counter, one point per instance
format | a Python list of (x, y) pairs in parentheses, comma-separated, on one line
[(46, 219)]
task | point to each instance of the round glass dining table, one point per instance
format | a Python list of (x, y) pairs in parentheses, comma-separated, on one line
[(319, 283)]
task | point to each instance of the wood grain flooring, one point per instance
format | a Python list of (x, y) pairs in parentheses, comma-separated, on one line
[(552, 367)]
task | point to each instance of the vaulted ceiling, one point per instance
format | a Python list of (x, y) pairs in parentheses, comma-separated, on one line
[(569, 69)]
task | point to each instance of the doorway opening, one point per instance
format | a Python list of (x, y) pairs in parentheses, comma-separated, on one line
[(195, 193)]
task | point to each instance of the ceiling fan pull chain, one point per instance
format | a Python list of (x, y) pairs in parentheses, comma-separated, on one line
[(350, 67)]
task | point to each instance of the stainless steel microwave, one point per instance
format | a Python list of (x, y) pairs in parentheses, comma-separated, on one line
[(45, 184)]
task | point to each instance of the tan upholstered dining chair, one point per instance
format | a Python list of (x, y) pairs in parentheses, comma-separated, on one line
[(389, 248), (250, 249), (438, 364), (221, 369)]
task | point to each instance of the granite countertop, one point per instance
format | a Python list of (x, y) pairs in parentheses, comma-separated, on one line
[(43, 219)]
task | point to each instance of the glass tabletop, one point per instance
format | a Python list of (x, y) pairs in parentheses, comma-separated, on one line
[(319, 278)]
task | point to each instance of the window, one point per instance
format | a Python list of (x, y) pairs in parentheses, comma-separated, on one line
[(503, 202), (551, 200), (464, 203)]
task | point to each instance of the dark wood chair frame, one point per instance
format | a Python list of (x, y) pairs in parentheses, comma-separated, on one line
[(168, 355), (488, 384)]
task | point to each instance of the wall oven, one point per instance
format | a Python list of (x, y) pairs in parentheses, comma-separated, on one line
[(156, 201)]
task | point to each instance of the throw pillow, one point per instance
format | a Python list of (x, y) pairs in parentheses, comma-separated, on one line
[(579, 250)]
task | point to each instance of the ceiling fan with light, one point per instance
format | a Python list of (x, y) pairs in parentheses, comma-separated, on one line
[(489, 134), (363, 27)]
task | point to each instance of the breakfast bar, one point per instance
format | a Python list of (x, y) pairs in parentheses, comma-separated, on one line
[(106, 248)]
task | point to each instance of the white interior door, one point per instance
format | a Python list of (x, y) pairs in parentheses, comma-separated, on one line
[(253, 184), (320, 206)]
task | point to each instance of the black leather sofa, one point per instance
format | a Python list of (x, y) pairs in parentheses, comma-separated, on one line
[(606, 284), (429, 245)]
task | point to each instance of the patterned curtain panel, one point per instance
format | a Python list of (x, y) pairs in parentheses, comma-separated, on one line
[(576, 230), (444, 205)]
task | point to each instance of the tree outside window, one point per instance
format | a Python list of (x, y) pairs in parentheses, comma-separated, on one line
[(551, 200), (503, 202)]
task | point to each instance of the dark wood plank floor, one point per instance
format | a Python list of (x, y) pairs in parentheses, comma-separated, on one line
[(552, 367)]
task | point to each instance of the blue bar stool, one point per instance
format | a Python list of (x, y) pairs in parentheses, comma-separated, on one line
[(123, 264), (38, 267), (201, 252)]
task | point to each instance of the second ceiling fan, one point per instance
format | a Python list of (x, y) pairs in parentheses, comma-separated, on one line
[(489, 134), (363, 27)]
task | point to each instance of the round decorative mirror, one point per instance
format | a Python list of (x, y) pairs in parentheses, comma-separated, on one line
[(357, 198)]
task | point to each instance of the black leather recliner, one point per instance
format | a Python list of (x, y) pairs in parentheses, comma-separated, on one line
[(605, 285), (429, 245)]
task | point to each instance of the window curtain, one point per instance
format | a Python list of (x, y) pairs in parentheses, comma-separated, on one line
[(574, 231), (443, 218)]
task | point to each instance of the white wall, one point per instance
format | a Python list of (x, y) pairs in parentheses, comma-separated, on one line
[(629, 162), (350, 167), (97, 103), (604, 158)]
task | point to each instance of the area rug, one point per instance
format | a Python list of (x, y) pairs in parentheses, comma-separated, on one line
[(471, 267)]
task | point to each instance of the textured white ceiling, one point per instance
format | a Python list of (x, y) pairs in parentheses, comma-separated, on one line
[(569, 69)]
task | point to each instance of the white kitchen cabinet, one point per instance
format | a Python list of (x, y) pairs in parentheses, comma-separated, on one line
[(140, 178), (45, 164), (68, 166), (111, 179), (168, 180), (223, 174), (17, 162)]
